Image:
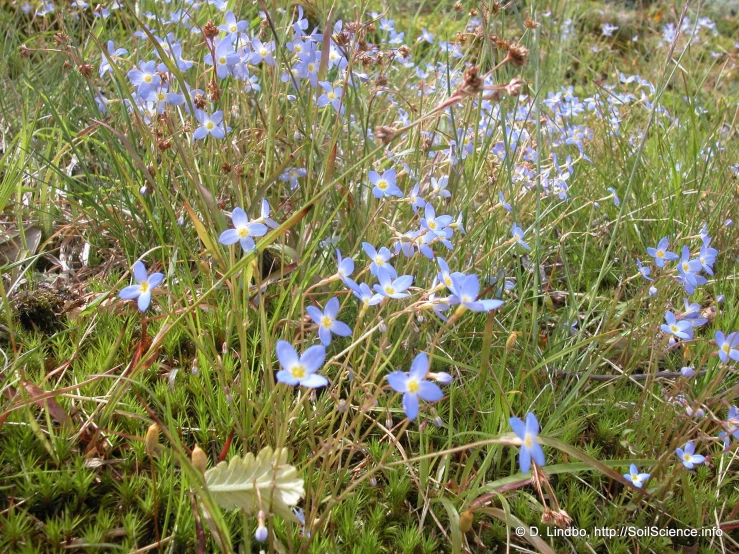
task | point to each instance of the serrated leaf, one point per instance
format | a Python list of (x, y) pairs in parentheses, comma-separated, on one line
[(235, 485)]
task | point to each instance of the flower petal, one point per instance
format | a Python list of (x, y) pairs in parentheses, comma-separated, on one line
[(314, 381), (430, 392), (139, 272), (313, 358), (397, 381), (410, 405), (286, 354), (130, 292)]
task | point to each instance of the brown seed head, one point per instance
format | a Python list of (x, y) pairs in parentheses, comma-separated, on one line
[(385, 134), (518, 54), (211, 30), (85, 69)]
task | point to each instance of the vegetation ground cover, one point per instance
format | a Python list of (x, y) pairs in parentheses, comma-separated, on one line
[(402, 277)]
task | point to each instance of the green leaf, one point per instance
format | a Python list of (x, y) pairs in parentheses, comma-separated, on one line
[(266, 482)]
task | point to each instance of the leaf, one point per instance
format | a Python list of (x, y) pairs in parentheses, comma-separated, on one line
[(56, 411), (242, 482)]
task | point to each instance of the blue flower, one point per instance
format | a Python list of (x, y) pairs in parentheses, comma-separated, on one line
[(636, 478), (688, 457), (345, 268), (517, 234), (727, 346), (143, 289), (364, 293), (327, 322), (530, 447), (503, 203), (414, 385), (385, 184), (301, 370), (379, 259), (243, 231), (467, 288), (680, 329), (645, 271), (209, 125), (661, 254), (392, 287)]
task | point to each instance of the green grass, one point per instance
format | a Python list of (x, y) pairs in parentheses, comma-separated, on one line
[(75, 473)]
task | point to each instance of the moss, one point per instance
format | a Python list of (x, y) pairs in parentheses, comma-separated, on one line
[(40, 309)]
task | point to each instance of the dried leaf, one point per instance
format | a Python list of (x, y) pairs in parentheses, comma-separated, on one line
[(56, 411)]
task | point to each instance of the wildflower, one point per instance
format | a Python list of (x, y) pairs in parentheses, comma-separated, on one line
[(437, 225), (232, 26), (264, 216), (688, 457), (728, 346), (637, 479), (142, 290), (687, 372), (327, 322), (379, 259), (292, 175), (113, 55), (688, 268), (645, 271), (467, 288), (414, 385), (502, 202), (438, 187), (391, 287), (608, 29), (661, 254), (692, 314), (331, 96), (262, 52), (425, 36), (209, 125), (530, 447), (225, 57), (385, 184), (707, 256), (416, 201), (680, 329), (144, 78), (652, 291), (616, 200), (301, 370), (364, 293), (517, 234), (243, 231), (345, 267), (731, 426)]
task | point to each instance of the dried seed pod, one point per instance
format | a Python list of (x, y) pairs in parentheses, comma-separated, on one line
[(199, 459)]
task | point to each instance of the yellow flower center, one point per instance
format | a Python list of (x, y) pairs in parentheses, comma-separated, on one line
[(331, 95), (389, 290), (326, 321), (674, 328), (298, 371), (635, 479), (726, 347), (243, 232), (660, 253), (147, 78), (222, 60), (431, 224), (686, 457), (144, 287), (263, 52), (233, 28), (528, 440), (412, 386), (209, 125), (448, 281), (382, 184)]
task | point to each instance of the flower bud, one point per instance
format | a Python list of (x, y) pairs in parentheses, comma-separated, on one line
[(441, 377)]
